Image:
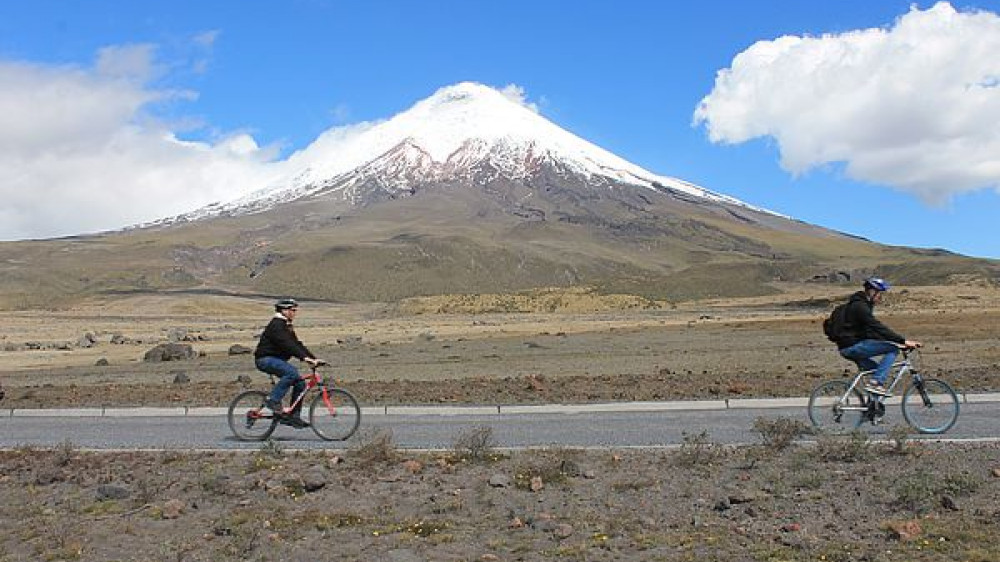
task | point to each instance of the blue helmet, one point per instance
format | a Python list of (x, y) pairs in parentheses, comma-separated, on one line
[(876, 283)]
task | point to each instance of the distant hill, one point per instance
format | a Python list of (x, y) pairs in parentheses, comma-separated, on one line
[(466, 192)]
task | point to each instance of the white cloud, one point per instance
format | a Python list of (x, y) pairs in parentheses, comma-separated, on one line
[(914, 106), (516, 94), (79, 152)]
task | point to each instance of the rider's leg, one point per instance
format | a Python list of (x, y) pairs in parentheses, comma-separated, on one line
[(863, 351), (287, 372)]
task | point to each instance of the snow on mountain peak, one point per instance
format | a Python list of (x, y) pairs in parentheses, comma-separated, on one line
[(458, 125)]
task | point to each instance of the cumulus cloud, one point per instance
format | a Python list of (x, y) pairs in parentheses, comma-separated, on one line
[(914, 106), (80, 152)]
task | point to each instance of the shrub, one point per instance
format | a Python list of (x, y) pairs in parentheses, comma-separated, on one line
[(854, 447), (475, 444), (778, 433), (376, 447)]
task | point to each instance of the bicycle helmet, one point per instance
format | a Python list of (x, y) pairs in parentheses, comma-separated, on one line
[(876, 283), (285, 304)]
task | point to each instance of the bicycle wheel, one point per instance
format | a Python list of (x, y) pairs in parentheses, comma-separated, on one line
[(833, 409), (931, 409), (334, 414), (249, 419)]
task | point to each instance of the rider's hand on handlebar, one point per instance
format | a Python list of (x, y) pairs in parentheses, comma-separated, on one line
[(912, 344), (315, 362)]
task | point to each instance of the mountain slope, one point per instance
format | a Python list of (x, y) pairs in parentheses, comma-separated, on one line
[(468, 191)]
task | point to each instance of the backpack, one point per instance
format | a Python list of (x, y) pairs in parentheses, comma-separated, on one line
[(835, 326)]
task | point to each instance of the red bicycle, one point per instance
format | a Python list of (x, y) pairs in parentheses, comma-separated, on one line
[(334, 414)]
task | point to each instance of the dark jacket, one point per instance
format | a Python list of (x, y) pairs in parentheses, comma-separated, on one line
[(861, 324), (279, 340)]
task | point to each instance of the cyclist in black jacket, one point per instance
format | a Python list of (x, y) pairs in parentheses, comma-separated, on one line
[(277, 345), (865, 337)]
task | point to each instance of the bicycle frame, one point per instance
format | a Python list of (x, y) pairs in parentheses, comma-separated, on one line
[(313, 379), (901, 367), (899, 370)]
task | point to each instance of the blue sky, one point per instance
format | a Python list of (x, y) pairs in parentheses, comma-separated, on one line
[(837, 125)]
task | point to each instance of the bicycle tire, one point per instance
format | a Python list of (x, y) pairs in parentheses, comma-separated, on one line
[(826, 410), (338, 420), (249, 419), (937, 416)]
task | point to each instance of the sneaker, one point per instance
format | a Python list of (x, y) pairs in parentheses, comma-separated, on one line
[(295, 421), (877, 388), (274, 406)]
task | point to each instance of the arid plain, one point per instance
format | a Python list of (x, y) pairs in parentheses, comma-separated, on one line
[(544, 346)]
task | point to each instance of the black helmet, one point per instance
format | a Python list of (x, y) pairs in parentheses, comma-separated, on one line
[(876, 283), (285, 304)]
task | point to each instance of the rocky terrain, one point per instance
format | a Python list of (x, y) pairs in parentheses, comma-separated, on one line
[(839, 499)]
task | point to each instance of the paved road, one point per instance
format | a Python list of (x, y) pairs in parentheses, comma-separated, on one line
[(426, 428)]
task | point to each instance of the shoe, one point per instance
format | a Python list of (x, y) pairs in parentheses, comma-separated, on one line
[(877, 388), (275, 407), (295, 421)]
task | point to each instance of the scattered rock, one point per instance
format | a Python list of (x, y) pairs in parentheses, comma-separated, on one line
[(314, 480), (904, 530), (413, 466), (102, 362), (244, 380), (119, 339), (948, 503), (237, 349), (721, 505), (563, 530), (500, 481), (107, 492), (86, 340), (536, 484), (996, 472), (747, 496), (534, 382), (791, 527), (169, 352), (180, 377), (172, 509), (516, 523)]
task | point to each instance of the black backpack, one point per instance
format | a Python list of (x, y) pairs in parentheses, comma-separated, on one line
[(835, 326)]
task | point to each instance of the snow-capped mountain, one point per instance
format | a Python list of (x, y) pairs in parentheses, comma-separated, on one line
[(466, 131)]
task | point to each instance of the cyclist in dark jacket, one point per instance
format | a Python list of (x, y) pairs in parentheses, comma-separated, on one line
[(277, 345), (866, 337)]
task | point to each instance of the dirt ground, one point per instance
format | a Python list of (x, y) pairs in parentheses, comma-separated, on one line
[(737, 348), (838, 499), (827, 498)]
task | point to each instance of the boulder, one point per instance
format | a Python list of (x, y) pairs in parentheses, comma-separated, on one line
[(237, 349), (169, 352)]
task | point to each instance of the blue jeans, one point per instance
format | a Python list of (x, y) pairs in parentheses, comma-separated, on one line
[(288, 377), (863, 351)]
